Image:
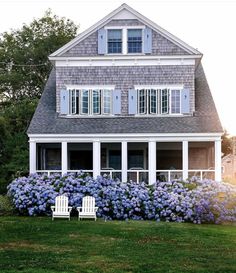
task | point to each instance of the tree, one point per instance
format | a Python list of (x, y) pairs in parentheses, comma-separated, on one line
[(24, 69), (227, 144), (24, 64)]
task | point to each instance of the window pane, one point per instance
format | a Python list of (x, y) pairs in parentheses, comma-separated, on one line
[(77, 102), (164, 101), (175, 101), (153, 101), (134, 41), (84, 99), (115, 41), (106, 101), (73, 102), (142, 101), (96, 101)]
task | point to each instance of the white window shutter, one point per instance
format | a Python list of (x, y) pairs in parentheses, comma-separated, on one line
[(132, 102), (116, 102), (102, 40), (64, 104), (185, 101)]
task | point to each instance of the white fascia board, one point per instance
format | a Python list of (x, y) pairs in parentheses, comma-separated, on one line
[(140, 17), (72, 138), (126, 57), (124, 62)]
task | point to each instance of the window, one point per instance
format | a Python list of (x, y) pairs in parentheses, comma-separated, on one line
[(114, 41), (124, 40), (159, 101), (164, 101), (175, 101), (90, 101), (134, 40)]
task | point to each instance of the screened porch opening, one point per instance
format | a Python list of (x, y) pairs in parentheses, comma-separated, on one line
[(48, 157), (201, 160), (169, 161), (111, 160), (137, 162), (80, 157)]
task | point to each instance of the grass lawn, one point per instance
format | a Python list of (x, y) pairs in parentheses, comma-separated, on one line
[(39, 245)]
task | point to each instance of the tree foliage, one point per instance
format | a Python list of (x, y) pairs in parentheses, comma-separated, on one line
[(24, 64), (24, 68), (227, 144)]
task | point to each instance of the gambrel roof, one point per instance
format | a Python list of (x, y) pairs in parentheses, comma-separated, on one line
[(123, 12), (205, 119)]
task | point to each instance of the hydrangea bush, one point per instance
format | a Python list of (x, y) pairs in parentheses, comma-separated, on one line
[(190, 201)]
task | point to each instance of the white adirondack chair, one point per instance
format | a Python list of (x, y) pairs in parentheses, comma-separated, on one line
[(88, 209), (61, 208)]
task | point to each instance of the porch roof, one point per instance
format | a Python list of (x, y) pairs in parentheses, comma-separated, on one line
[(204, 120)]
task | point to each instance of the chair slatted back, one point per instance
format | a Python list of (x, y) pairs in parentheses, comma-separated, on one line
[(61, 204), (88, 204)]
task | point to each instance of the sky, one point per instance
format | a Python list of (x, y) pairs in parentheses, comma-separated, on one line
[(208, 25)]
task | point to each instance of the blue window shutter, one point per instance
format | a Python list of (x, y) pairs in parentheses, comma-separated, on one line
[(116, 102), (102, 40), (64, 102), (132, 102), (185, 101), (147, 40)]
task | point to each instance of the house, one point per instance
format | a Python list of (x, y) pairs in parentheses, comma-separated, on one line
[(128, 99)]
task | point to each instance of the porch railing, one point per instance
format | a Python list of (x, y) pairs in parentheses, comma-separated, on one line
[(48, 172), (114, 174), (202, 174), (168, 175), (138, 176), (142, 175)]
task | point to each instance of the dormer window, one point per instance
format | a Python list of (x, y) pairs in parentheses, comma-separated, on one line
[(90, 101), (114, 41), (125, 40), (135, 40)]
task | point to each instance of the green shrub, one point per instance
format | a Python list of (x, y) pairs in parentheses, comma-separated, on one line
[(6, 206)]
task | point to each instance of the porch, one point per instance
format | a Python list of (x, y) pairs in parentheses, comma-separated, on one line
[(144, 159)]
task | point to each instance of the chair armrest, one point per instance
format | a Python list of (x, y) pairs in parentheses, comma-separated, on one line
[(52, 208), (69, 209), (95, 209), (79, 209)]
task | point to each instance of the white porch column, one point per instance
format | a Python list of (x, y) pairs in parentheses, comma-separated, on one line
[(124, 160), (32, 156), (218, 160), (96, 158), (152, 162), (64, 158), (185, 159)]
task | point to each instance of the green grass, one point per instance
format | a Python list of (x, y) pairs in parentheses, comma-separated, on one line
[(39, 245)]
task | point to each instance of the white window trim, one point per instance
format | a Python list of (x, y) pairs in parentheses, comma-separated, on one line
[(124, 30), (130, 28), (71, 88), (159, 99), (170, 100)]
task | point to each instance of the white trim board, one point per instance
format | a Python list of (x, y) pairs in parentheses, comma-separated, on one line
[(124, 137), (137, 15), (123, 62)]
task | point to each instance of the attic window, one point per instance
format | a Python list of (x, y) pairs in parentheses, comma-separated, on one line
[(134, 40), (114, 41)]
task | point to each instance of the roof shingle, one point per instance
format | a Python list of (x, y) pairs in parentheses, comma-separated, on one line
[(204, 120)]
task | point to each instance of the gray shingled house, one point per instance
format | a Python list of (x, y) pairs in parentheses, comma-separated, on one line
[(128, 99)]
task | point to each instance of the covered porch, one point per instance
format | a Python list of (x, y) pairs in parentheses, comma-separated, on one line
[(140, 159)]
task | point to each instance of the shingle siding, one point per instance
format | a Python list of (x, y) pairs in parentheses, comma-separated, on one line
[(89, 46), (125, 78)]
